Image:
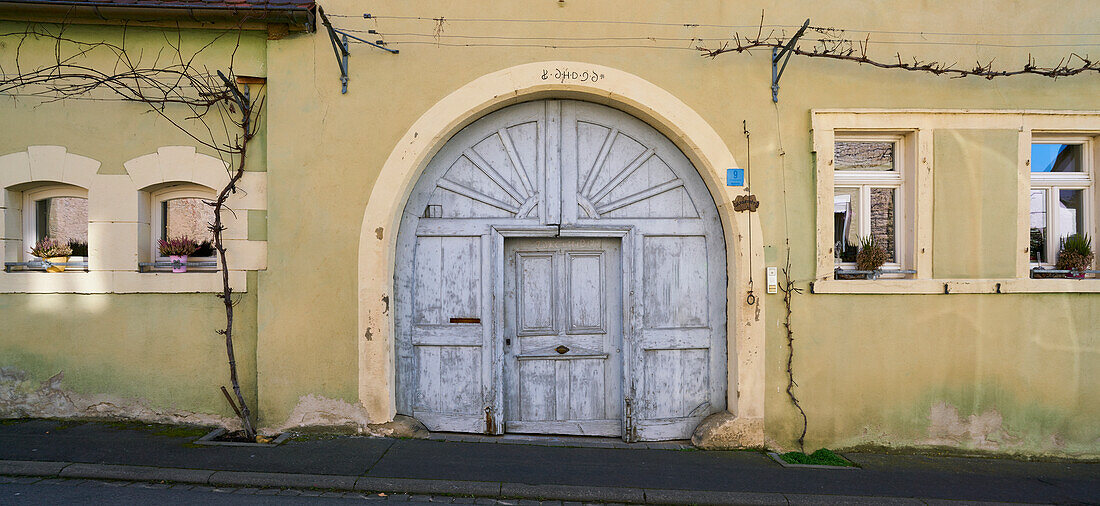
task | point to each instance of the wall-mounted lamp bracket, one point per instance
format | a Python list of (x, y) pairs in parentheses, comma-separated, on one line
[(341, 48), (784, 54)]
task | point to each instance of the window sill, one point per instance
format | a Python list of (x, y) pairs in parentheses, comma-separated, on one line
[(1042, 273), (954, 286), (856, 274), (208, 265), (120, 282), (75, 264)]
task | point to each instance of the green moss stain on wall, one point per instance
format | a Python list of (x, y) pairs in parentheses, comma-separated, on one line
[(974, 217), (958, 370), (159, 348), (257, 225)]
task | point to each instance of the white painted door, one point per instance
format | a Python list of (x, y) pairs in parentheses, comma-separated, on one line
[(558, 169), (563, 337)]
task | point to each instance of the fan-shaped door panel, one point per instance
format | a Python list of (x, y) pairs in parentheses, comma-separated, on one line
[(561, 168)]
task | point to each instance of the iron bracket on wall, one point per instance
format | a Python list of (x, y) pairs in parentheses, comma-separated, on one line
[(784, 54), (341, 47)]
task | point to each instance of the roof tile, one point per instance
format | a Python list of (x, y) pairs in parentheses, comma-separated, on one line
[(195, 4)]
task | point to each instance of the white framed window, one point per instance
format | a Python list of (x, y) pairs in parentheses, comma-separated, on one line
[(182, 210), (870, 197), (59, 212), (1062, 196)]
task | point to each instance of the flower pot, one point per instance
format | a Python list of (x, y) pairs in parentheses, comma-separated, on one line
[(56, 260), (179, 263)]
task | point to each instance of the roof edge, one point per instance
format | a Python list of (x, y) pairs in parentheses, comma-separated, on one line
[(299, 17)]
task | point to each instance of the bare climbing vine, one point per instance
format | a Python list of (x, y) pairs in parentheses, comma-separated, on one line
[(216, 115), (833, 45), (789, 290)]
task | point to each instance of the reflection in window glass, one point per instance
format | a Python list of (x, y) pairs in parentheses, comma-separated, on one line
[(846, 224), (1070, 212), (1055, 158), (883, 220), (64, 219), (189, 217), (860, 155), (1038, 247)]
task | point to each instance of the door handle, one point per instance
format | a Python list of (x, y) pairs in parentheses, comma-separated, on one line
[(507, 342), (562, 349)]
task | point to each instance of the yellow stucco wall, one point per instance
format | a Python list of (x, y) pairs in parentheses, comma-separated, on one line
[(986, 372), (351, 135), (155, 351), (870, 368), (974, 223)]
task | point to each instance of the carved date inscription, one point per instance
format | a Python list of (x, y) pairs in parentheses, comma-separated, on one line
[(564, 75)]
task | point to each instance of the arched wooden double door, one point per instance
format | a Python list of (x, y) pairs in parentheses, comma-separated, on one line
[(561, 269)]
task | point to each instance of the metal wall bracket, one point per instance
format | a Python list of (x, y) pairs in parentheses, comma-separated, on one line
[(784, 54), (341, 48)]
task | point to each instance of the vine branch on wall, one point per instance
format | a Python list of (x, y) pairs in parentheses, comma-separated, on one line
[(165, 84), (832, 45), (789, 290)]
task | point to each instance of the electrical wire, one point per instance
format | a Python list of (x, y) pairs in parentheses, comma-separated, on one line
[(700, 39), (543, 46), (704, 25)]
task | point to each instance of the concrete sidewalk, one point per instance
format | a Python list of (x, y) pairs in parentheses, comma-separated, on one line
[(64, 449)]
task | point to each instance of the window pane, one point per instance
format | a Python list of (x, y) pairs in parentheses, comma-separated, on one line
[(189, 217), (883, 220), (1071, 212), (1056, 158), (846, 224), (1038, 245), (64, 219), (859, 155)]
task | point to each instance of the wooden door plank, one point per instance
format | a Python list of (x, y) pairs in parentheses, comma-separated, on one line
[(552, 184)]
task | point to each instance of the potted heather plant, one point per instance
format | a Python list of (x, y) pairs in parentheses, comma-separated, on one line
[(1075, 255), (53, 252), (80, 248), (871, 256), (177, 249)]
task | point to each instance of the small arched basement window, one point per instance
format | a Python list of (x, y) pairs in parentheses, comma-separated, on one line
[(181, 210), (59, 212)]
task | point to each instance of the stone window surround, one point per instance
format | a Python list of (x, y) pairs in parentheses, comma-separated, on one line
[(1084, 180), (171, 191), (119, 220), (901, 180), (920, 125), (29, 197)]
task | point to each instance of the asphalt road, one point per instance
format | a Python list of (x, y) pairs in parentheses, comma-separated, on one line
[(51, 492), (501, 469)]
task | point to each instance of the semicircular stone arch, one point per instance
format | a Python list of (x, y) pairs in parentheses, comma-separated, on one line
[(561, 268)]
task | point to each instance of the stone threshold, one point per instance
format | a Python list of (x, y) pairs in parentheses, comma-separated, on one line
[(561, 441)]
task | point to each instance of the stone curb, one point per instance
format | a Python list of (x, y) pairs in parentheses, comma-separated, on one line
[(413, 486), (707, 497), (32, 467), (281, 480), (135, 473), (573, 493), (73, 470)]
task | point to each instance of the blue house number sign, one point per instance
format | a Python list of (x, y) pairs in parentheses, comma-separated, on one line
[(735, 177)]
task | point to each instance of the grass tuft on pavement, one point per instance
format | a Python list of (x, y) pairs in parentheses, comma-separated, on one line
[(821, 457)]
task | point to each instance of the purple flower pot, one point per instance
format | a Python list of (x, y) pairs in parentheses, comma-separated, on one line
[(179, 263)]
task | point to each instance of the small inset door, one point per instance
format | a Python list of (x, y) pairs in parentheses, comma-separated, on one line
[(563, 336)]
